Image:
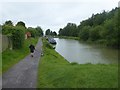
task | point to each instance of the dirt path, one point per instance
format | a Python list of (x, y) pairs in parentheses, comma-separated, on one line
[(24, 73)]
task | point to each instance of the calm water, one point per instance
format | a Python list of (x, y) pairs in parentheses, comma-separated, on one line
[(75, 51)]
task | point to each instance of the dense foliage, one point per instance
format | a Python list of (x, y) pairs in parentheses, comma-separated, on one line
[(51, 33), (17, 32), (101, 27), (35, 31), (39, 31), (18, 37), (20, 23), (69, 30)]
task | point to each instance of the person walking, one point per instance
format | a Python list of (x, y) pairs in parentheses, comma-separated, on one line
[(32, 48)]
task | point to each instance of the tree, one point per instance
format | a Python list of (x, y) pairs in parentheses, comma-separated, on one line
[(54, 33), (51, 33), (9, 23), (7, 29), (32, 31), (39, 31), (102, 27), (60, 32), (95, 33), (20, 23), (84, 33), (18, 37), (47, 32), (69, 30)]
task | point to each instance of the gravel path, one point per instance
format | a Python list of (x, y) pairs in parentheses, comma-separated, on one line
[(24, 73)]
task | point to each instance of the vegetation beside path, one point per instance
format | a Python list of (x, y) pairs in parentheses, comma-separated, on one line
[(55, 72), (11, 57), (0, 63)]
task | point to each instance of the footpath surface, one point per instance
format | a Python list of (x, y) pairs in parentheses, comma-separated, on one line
[(24, 73)]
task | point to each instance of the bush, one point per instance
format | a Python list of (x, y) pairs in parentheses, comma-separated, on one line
[(48, 45), (6, 29), (18, 37), (84, 33), (33, 32), (74, 63), (95, 33)]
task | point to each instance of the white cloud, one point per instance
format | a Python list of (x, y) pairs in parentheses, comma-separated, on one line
[(53, 14)]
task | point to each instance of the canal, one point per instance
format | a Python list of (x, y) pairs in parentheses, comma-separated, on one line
[(82, 53)]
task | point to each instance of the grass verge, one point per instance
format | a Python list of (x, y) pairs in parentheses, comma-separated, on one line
[(0, 63), (11, 57), (55, 72)]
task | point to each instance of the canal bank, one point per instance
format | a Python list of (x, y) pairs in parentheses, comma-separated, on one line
[(56, 72), (66, 37)]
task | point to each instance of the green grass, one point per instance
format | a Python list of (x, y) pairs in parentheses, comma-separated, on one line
[(0, 63), (55, 72), (11, 57)]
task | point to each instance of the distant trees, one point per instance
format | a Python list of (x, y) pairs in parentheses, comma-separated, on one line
[(35, 32), (69, 30), (47, 32), (94, 33), (39, 31), (84, 33), (102, 27), (51, 33), (54, 33)]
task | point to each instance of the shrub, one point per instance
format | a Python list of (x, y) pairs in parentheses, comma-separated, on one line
[(84, 33), (6, 29), (48, 45), (18, 37), (33, 32), (73, 63)]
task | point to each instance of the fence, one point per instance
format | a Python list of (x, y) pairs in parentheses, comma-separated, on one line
[(6, 42)]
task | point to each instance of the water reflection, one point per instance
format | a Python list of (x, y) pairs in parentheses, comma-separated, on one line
[(75, 51)]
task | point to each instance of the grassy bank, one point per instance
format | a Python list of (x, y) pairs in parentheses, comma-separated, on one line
[(11, 57), (56, 72), (67, 37)]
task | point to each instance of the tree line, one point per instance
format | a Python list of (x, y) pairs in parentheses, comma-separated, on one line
[(17, 32), (51, 33), (102, 27)]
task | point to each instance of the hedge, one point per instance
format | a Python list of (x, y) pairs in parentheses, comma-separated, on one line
[(18, 37)]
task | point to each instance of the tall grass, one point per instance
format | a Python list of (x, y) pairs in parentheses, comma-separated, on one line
[(0, 63)]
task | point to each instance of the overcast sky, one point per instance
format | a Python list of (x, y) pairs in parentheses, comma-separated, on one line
[(52, 14)]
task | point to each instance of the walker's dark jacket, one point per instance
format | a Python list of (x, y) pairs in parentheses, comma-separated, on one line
[(32, 48)]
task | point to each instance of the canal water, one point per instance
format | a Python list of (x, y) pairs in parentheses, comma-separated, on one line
[(82, 53)]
